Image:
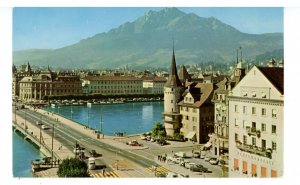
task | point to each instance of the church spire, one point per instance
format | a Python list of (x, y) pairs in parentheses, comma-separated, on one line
[(173, 80)]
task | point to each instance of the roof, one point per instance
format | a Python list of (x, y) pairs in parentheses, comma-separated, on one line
[(111, 78), (173, 80), (275, 76), (206, 91), (183, 74)]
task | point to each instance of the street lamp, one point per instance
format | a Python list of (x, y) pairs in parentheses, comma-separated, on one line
[(25, 121), (52, 143)]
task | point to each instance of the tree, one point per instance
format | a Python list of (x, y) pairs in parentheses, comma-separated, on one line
[(73, 167), (158, 130)]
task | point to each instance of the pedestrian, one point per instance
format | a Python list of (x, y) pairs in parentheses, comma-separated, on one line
[(192, 151), (103, 171)]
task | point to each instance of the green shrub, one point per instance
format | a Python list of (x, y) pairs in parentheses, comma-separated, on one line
[(73, 167)]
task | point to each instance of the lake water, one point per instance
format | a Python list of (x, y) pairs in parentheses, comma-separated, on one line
[(131, 118), (23, 153)]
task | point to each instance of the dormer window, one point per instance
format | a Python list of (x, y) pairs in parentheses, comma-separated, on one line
[(245, 94), (253, 94), (263, 95)]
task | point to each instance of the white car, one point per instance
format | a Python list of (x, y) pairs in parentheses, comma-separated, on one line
[(207, 158), (44, 127), (188, 165), (143, 137), (172, 175), (214, 161)]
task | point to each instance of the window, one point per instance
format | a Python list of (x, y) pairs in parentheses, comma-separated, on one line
[(263, 111), (263, 127), (236, 137), (254, 141), (253, 94), (194, 110), (244, 123), (273, 145), (245, 140), (263, 95), (253, 111), (235, 108), (263, 144), (236, 122), (273, 129), (274, 113), (187, 117), (244, 110)]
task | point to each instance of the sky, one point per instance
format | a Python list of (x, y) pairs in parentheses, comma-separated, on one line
[(52, 28)]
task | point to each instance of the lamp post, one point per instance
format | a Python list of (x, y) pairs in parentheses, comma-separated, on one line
[(25, 121), (52, 143)]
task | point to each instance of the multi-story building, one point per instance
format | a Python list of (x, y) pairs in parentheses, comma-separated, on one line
[(197, 112), (256, 124), (219, 140), (153, 85), (47, 83), (172, 93), (113, 85), (17, 76)]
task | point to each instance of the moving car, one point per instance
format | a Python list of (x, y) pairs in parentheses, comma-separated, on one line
[(93, 153)]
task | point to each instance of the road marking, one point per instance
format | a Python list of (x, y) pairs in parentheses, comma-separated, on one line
[(111, 174), (159, 170)]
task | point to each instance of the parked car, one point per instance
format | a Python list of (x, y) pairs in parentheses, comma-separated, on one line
[(133, 143), (207, 158), (196, 155), (198, 168), (148, 138), (162, 142), (189, 165), (143, 137), (183, 162), (38, 123), (214, 161), (153, 139), (180, 154), (172, 175)]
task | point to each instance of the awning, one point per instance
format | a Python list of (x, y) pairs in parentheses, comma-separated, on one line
[(190, 135), (207, 145)]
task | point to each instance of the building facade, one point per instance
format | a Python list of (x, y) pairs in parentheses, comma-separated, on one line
[(154, 85), (197, 112), (47, 83), (112, 85), (256, 124)]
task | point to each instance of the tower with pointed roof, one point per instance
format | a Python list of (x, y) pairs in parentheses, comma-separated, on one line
[(172, 94)]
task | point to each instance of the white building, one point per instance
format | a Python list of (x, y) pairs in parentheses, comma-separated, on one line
[(112, 85), (154, 85), (256, 124)]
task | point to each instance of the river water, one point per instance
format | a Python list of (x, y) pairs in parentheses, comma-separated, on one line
[(129, 118)]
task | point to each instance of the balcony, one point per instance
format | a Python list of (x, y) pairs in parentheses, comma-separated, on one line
[(254, 150), (252, 131)]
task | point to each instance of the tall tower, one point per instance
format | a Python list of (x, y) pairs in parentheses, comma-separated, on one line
[(172, 93)]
